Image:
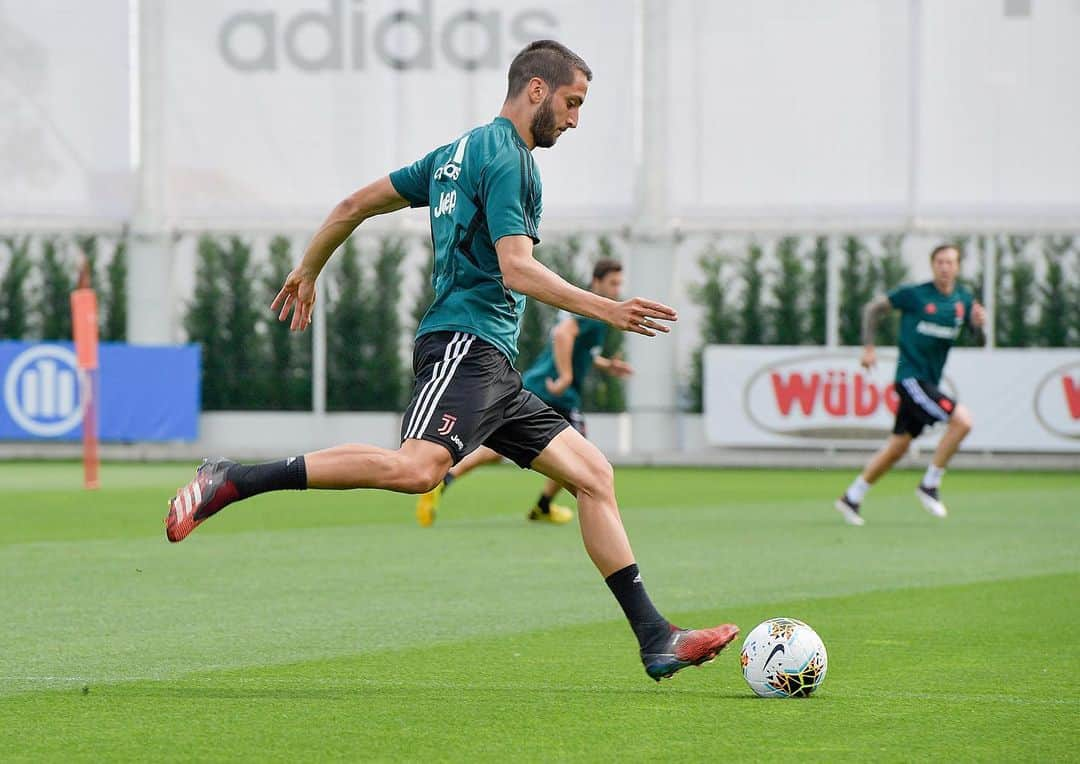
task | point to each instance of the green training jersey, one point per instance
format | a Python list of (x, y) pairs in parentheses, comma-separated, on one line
[(479, 188), (930, 323), (587, 345)]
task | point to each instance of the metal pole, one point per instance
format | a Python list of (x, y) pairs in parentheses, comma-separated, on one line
[(652, 184), (832, 297), (652, 391), (149, 319), (914, 108), (318, 346), (989, 292)]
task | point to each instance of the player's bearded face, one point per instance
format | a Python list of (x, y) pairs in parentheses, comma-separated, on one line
[(543, 126)]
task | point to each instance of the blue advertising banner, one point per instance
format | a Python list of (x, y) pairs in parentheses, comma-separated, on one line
[(145, 393)]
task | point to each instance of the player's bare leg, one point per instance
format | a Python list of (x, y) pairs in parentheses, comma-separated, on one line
[(573, 462), (881, 462), (427, 505), (958, 428), (886, 457), (414, 468)]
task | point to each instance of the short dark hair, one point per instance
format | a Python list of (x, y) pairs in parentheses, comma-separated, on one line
[(605, 266), (943, 247), (551, 61)]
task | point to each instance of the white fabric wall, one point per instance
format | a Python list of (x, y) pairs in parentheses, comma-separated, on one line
[(1000, 105), (64, 146), (781, 111), (780, 104), (286, 107)]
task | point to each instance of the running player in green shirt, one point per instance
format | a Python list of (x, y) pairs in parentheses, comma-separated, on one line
[(932, 316), (557, 378), (483, 195)]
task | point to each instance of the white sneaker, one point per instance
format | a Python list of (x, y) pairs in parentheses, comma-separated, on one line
[(849, 510), (931, 501)]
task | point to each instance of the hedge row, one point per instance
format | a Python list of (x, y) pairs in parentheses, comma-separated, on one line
[(36, 279), (251, 361), (749, 295)]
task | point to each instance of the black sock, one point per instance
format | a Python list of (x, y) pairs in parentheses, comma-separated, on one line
[(544, 503), (651, 628), (446, 481), (283, 475)]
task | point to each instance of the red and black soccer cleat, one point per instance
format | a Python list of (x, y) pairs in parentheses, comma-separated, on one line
[(207, 493), (688, 647)]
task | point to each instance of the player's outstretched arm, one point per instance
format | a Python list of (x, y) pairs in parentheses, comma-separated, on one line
[(523, 273), (562, 346), (873, 312), (298, 293)]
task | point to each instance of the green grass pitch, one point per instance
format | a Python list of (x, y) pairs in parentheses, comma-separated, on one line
[(329, 626)]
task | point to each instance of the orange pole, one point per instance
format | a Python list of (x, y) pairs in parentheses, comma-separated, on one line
[(84, 315), (90, 433)]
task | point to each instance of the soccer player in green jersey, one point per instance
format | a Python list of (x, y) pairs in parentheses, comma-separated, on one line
[(932, 316), (483, 195), (557, 378)]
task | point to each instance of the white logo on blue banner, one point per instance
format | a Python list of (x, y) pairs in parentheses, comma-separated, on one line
[(43, 391)]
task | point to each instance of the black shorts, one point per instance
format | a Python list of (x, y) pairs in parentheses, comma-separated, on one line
[(467, 394), (574, 417), (921, 404)]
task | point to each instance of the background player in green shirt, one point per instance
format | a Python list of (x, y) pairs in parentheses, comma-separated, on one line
[(558, 378), (484, 201), (932, 316)]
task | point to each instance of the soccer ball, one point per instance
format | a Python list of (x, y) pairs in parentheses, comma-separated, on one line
[(783, 658)]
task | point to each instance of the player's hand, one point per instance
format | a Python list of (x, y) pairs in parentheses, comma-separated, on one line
[(978, 315), (557, 386), (297, 295), (619, 368), (869, 358), (642, 316)]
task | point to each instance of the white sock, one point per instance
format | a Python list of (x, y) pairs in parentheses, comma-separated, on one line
[(932, 478), (856, 492)]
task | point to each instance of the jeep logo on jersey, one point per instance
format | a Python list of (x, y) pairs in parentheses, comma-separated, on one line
[(823, 396), (42, 391), (447, 202), (1057, 401), (346, 36)]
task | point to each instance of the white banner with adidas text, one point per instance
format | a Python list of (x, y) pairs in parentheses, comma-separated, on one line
[(280, 108), (1021, 400)]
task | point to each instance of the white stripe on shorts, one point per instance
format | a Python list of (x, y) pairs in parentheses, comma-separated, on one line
[(431, 384), (445, 384), (455, 349), (914, 389)]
